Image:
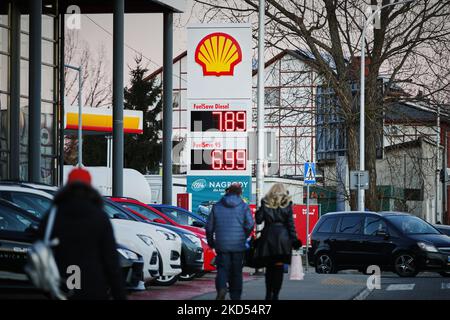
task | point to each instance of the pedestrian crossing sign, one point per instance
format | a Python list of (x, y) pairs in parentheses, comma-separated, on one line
[(310, 173)]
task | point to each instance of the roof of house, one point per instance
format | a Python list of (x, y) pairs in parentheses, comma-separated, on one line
[(405, 111)]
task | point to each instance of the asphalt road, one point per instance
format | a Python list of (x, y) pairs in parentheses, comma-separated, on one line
[(425, 286), (313, 287), (345, 285)]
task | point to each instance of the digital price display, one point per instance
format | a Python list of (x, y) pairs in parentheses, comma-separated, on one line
[(218, 137), (219, 159), (222, 121)]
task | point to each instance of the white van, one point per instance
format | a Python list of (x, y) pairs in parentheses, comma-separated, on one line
[(134, 183)]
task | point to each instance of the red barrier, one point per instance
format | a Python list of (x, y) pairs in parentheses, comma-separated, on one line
[(300, 219)]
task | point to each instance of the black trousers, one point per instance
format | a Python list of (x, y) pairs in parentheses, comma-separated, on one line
[(229, 271), (274, 280)]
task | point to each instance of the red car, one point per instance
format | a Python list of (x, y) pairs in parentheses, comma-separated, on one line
[(151, 214)]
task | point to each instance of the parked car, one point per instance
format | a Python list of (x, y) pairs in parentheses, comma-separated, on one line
[(34, 200), (17, 233), (204, 209), (181, 215), (445, 229), (155, 215), (394, 241), (148, 213), (159, 247), (191, 250)]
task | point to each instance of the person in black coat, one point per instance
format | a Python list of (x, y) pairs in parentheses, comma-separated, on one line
[(86, 240), (278, 237)]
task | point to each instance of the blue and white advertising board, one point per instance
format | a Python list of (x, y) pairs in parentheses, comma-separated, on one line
[(206, 190)]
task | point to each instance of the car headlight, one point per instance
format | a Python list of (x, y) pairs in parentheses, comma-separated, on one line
[(194, 239), (148, 241), (167, 234), (127, 254), (427, 247)]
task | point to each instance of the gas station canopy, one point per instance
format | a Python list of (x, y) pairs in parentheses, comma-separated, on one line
[(100, 120), (131, 6)]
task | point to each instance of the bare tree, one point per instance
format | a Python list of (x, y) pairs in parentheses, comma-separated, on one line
[(409, 48), (96, 85)]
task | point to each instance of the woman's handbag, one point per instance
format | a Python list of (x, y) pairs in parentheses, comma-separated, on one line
[(296, 271), (252, 257), (41, 267)]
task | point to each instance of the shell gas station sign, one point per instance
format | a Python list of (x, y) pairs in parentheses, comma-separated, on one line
[(218, 53), (100, 120), (219, 109)]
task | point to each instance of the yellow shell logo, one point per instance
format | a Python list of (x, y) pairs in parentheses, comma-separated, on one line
[(218, 53)]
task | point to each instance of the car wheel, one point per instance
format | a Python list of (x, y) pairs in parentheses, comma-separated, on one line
[(325, 263), (405, 265), (166, 280), (187, 276), (445, 274)]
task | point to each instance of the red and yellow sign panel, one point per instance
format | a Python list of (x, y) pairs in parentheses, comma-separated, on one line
[(218, 53), (101, 120)]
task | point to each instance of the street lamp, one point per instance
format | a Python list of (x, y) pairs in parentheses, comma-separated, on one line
[(361, 206), (80, 110)]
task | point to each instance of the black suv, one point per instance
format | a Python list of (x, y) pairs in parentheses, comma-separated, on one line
[(394, 241)]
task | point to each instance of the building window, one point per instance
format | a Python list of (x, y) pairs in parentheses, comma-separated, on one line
[(272, 96), (331, 136), (4, 103)]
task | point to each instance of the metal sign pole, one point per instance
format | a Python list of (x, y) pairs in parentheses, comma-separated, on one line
[(80, 113), (307, 225), (80, 121), (359, 190)]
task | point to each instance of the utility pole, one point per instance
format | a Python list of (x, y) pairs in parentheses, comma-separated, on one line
[(260, 120), (362, 93), (438, 164)]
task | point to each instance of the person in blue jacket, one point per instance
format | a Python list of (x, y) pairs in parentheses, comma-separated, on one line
[(227, 228)]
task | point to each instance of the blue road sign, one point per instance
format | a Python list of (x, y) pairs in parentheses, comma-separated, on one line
[(310, 173)]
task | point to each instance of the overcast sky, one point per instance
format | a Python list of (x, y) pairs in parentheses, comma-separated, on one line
[(143, 33)]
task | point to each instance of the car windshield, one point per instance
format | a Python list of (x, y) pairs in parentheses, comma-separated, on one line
[(148, 213), (10, 220), (179, 216), (113, 212), (411, 225)]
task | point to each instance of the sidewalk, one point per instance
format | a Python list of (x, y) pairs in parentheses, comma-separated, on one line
[(342, 286)]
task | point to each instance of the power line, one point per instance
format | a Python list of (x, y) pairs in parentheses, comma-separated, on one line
[(128, 46)]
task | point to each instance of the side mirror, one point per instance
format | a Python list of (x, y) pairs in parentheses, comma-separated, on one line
[(159, 220), (198, 224)]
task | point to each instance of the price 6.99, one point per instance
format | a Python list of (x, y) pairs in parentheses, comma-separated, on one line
[(229, 159)]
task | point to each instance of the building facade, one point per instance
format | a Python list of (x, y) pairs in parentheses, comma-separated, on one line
[(14, 90)]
